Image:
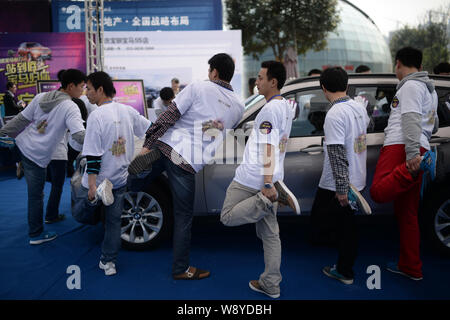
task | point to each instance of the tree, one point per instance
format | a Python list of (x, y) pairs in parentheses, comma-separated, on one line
[(430, 37), (280, 24)]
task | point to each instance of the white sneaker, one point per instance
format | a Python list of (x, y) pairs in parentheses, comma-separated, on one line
[(109, 267), (104, 192)]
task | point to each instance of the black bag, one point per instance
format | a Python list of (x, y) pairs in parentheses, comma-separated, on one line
[(85, 218), (75, 183)]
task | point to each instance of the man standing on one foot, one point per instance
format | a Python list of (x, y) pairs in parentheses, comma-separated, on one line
[(39, 127), (180, 143), (344, 171), (398, 174), (109, 149), (257, 188)]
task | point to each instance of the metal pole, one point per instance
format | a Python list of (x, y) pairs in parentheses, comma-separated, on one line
[(100, 29), (86, 33)]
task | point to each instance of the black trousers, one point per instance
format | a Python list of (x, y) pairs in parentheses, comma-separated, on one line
[(328, 217), (72, 154)]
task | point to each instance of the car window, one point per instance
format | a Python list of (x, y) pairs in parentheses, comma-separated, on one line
[(443, 106), (311, 107), (252, 100), (379, 104)]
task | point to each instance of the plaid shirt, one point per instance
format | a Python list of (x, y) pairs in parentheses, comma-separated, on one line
[(166, 120), (338, 160), (339, 167)]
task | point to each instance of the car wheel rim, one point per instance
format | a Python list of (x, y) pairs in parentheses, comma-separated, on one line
[(442, 223), (142, 218)]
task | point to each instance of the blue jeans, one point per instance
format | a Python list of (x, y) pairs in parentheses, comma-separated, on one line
[(56, 170), (35, 177), (111, 240), (182, 185)]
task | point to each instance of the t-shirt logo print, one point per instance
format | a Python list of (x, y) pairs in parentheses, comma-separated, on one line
[(42, 126), (209, 127), (118, 147), (395, 102), (283, 144), (265, 127), (360, 144), (431, 116)]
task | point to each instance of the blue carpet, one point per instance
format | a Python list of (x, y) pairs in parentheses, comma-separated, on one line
[(234, 255)]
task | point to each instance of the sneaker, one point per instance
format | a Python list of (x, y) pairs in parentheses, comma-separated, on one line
[(333, 273), (143, 162), (428, 163), (286, 197), (59, 218), (7, 142), (255, 286), (104, 193), (109, 267), (192, 273), (393, 267), (357, 201), (19, 171), (43, 237)]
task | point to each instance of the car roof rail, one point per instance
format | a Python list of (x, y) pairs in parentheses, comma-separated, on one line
[(350, 75), (364, 75)]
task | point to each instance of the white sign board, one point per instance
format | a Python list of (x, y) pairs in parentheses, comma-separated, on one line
[(158, 56)]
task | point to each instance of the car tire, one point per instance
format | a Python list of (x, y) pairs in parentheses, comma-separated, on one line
[(435, 217), (147, 218)]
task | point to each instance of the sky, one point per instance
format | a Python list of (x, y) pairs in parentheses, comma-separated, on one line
[(390, 15)]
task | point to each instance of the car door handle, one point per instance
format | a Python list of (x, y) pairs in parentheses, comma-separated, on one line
[(314, 148), (436, 139)]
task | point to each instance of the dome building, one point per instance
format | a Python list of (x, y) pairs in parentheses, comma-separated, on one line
[(356, 40)]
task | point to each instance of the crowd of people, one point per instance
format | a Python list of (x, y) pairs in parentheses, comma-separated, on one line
[(104, 135)]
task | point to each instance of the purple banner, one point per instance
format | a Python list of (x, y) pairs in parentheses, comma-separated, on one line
[(26, 58), (129, 92)]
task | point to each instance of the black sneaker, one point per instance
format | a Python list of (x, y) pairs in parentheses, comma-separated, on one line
[(143, 162), (286, 197), (60, 217)]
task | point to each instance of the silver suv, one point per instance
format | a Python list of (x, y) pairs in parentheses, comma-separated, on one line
[(147, 216)]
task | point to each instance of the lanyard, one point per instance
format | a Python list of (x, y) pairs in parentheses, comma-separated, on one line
[(277, 95), (106, 102)]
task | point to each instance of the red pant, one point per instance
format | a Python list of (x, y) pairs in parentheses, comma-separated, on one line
[(393, 182)]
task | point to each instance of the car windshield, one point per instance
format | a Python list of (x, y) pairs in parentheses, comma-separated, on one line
[(252, 100)]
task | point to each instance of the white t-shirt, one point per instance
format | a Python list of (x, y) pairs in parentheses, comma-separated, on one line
[(272, 126), (158, 104), (60, 152), (198, 103), (413, 96), (89, 107), (346, 124), (110, 134), (39, 140)]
